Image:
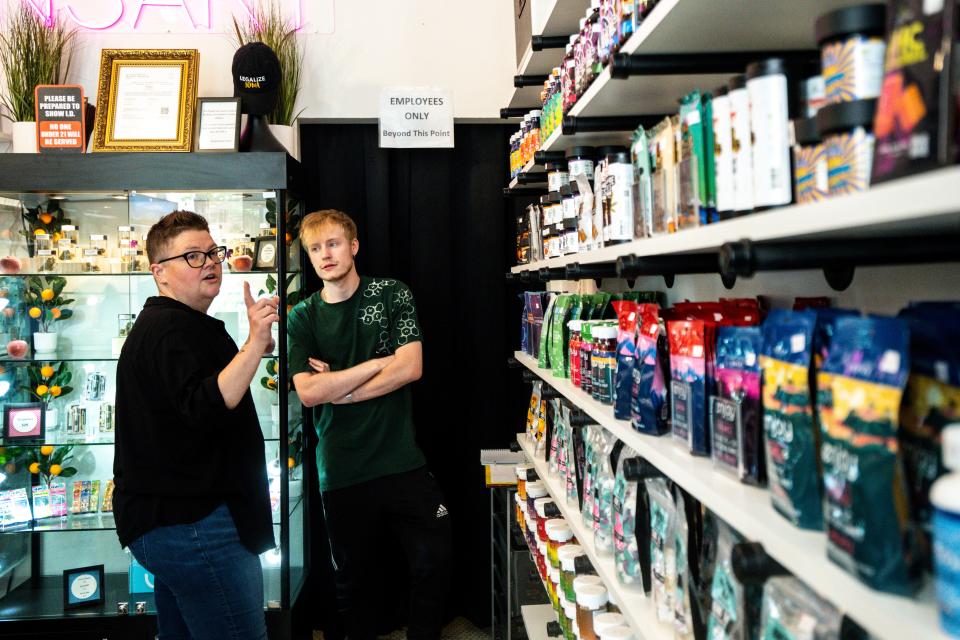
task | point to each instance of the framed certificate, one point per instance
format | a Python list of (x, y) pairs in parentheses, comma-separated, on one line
[(218, 124), (146, 100), (83, 587), (24, 421), (266, 254)]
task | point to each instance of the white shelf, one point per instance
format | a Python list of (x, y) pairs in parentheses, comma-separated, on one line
[(535, 63), (535, 619), (526, 97), (701, 26), (560, 142), (925, 203), (559, 17), (635, 607), (748, 510)]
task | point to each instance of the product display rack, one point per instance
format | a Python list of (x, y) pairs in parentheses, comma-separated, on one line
[(636, 608), (535, 619), (236, 192), (927, 203), (749, 511)]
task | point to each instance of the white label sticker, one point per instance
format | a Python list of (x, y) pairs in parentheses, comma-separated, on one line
[(84, 586), (890, 362), (798, 343), (941, 369)]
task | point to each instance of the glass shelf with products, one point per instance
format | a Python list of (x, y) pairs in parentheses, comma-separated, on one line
[(73, 278)]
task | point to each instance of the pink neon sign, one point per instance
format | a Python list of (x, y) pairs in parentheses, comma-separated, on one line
[(192, 15)]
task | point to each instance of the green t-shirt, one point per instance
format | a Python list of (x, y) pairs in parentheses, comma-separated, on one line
[(373, 438)]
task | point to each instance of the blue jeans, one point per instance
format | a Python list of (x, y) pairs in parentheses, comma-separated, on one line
[(207, 585)]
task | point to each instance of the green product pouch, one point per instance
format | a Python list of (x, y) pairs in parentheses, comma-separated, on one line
[(543, 359), (602, 309), (560, 337), (709, 156), (576, 306)]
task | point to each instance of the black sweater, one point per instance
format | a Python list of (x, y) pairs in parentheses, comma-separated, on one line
[(179, 451)]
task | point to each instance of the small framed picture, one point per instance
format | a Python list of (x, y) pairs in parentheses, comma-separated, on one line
[(266, 254), (218, 124), (83, 587), (24, 421)]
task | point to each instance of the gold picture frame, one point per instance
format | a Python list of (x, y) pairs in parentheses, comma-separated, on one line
[(169, 77)]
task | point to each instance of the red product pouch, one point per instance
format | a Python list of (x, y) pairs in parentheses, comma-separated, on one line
[(627, 317), (688, 384)]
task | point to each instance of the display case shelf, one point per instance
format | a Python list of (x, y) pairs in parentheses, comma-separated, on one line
[(535, 620), (749, 511), (634, 605), (928, 203), (43, 598)]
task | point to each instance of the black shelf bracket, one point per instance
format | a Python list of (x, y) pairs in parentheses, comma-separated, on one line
[(837, 258), (573, 125), (668, 266), (533, 177), (539, 43), (624, 65), (543, 157), (598, 271), (547, 274), (515, 112), (524, 192), (520, 82)]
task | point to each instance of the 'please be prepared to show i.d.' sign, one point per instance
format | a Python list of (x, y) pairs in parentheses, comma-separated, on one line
[(416, 118)]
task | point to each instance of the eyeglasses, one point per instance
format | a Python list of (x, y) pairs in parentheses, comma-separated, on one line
[(197, 259)]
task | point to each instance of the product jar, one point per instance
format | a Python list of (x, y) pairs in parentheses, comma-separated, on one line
[(521, 508), (535, 491), (847, 131), (570, 614), (604, 362), (809, 162), (559, 535), (553, 585), (573, 349), (813, 95), (852, 49), (557, 177), (621, 178), (607, 620), (580, 162), (523, 472), (616, 633), (723, 153), (586, 352), (767, 85), (591, 602), (741, 145), (568, 555)]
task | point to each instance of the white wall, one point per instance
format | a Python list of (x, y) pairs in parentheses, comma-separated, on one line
[(353, 49)]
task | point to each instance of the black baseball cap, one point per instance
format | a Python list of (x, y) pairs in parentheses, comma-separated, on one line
[(256, 78)]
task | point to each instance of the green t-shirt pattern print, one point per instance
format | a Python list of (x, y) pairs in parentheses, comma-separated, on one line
[(374, 438)]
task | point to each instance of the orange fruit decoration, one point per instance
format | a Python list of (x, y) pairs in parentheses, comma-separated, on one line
[(46, 295), (46, 218), (34, 467), (42, 389), (46, 449), (55, 469), (55, 391), (35, 312), (46, 371)]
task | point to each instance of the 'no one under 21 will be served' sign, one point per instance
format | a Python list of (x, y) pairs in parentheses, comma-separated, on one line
[(416, 118)]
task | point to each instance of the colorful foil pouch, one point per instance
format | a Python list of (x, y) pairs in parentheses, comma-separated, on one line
[(556, 437), (791, 611), (592, 441), (792, 444), (688, 393), (648, 394), (736, 424), (931, 401), (631, 521), (604, 485), (543, 351), (534, 304), (560, 337), (663, 556), (728, 617), (627, 313), (525, 325), (869, 532), (572, 443)]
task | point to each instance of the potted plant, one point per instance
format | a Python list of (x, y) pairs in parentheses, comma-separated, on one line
[(47, 384), (268, 25), (33, 50), (295, 456), (47, 218), (269, 382), (47, 305), (46, 461)]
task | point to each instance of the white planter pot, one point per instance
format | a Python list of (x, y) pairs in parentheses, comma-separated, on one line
[(24, 137), (52, 420), (286, 135), (44, 342)]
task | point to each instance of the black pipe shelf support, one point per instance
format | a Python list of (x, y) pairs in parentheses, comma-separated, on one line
[(539, 43), (545, 157), (520, 82), (532, 177), (597, 271), (624, 65), (837, 258), (573, 125), (515, 112), (546, 274), (669, 266)]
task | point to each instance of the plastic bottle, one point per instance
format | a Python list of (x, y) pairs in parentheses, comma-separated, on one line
[(945, 497), (591, 602)]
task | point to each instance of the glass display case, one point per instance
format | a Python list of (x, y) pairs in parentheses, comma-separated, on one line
[(73, 277)]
